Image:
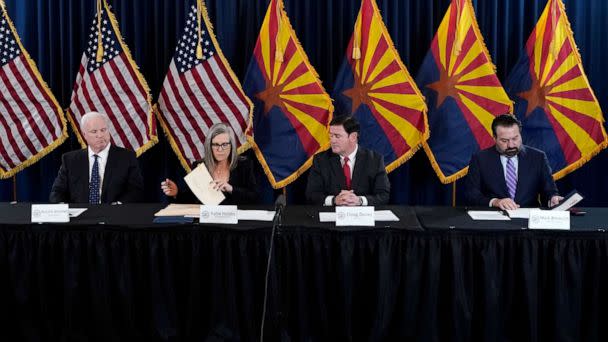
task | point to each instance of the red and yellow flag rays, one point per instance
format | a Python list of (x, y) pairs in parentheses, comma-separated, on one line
[(382, 82), (561, 88), (467, 74), (291, 82)]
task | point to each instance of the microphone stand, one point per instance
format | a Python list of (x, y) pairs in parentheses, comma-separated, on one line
[(277, 221)]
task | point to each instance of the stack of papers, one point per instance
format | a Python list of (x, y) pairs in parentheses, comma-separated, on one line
[(523, 213), (255, 215), (193, 210), (180, 210), (488, 215), (75, 212)]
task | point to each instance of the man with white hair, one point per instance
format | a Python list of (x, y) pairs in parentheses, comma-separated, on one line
[(100, 173)]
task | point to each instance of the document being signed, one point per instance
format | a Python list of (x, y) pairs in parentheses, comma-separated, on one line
[(201, 184)]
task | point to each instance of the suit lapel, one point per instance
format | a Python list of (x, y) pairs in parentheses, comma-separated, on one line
[(107, 175), (336, 169), (83, 176), (360, 164), (522, 159), (500, 172)]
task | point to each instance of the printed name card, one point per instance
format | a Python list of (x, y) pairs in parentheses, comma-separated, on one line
[(549, 219), (218, 214), (56, 213), (355, 216)]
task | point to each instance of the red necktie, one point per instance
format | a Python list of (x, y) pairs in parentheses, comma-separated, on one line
[(346, 169)]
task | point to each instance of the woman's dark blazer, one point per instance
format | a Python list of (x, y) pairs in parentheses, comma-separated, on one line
[(242, 179)]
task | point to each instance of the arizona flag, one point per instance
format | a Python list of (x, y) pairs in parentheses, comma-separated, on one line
[(375, 87), (553, 98), (291, 109), (464, 95)]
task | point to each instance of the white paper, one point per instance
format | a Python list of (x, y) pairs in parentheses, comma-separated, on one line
[(201, 184), (490, 215), (247, 215), (385, 215), (519, 213), (57, 213), (355, 216), (549, 219), (218, 214), (187, 210), (327, 216), (255, 215), (569, 202), (75, 212)]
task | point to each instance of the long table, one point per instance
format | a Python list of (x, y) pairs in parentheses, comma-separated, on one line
[(436, 275)]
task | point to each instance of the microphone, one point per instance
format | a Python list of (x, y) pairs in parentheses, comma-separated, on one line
[(280, 201), (279, 205)]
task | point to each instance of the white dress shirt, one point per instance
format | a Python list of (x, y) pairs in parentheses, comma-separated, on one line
[(351, 163), (503, 161), (102, 160)]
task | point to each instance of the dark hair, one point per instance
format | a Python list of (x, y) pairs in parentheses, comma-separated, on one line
[(349, 123), (505, 120)]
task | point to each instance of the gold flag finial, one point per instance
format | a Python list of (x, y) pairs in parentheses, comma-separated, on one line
[(99, 55), (554, 11), (357, 39), (199, 47), (278, 51), (457, 37)]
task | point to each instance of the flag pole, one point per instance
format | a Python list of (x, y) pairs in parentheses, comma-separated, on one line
[(199, 46), (99, 54), (278, 53), (14, 188), (454, 194)]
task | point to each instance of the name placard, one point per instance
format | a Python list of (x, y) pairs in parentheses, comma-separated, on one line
[(219, 214), (549, 219), (57, 213), (355, 216)]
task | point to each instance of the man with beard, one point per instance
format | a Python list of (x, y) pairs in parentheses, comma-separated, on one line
[(509, 174), (347, 174)]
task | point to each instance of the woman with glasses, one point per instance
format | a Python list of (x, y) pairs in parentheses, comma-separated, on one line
[(232, 174)]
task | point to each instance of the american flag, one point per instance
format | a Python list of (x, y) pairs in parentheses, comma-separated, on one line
[(31, 122), (199, 92), (113, 85)]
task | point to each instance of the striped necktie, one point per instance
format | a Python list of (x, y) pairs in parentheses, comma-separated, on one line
[(94, 183), (511, 178)]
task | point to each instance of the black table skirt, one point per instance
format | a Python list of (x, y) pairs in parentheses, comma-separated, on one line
[(206, 283)]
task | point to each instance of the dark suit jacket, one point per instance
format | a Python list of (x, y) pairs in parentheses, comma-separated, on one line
[(486, 179), (326, 177), (242, 179), (122, 179)]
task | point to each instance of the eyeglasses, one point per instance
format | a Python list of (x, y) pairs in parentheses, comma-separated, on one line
[(219, 147)]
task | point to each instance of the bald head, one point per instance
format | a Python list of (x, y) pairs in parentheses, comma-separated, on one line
[(94, 127)]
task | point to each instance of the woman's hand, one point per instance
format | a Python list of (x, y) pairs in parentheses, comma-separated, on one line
[(169, 187), (222, 186)]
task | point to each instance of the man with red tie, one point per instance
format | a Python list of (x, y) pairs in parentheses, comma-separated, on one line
[(348, 174)]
